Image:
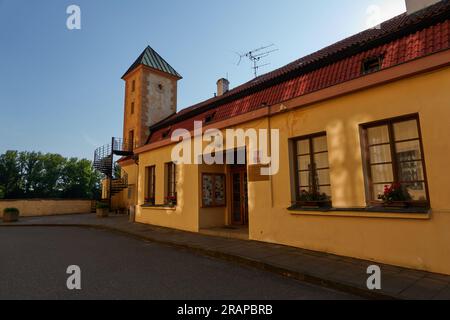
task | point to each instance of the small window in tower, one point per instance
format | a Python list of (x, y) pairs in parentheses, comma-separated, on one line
[(133, 85), (372, 64), (160, 87), (132, 108)]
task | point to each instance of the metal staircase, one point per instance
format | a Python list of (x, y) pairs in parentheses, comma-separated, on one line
[(104, 163)]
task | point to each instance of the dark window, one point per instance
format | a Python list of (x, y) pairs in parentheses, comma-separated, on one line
[(150, 190), (372, 64), (312, 174), (166, 134), (210, 118), (131, 140), (132, 108), (213, 190), (394, 156), (133, 85), (171, 184)]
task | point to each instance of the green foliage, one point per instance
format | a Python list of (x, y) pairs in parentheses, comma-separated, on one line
[(102, 205), (117, 172), (313, 196), (11, 210), (394, 193), (38, 175)]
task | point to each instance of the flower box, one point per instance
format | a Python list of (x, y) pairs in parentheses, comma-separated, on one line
[(11, 215), (102, 212), (396, 204), (314, 204)]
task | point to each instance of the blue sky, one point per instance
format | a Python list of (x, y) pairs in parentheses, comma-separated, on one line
[(61, 92)]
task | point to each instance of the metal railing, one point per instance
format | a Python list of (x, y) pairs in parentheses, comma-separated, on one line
[(104, 163)]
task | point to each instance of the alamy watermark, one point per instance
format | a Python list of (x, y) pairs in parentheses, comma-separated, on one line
[(74, 280), (220, 148), (374, 281), (73, 21)]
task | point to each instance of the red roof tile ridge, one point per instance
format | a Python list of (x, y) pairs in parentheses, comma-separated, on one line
[(386, 28)]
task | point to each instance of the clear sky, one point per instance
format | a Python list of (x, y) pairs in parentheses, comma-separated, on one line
[(60, 89)]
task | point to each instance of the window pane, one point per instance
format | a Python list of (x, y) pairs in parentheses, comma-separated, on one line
[(207, 191), (408, 151), (416, 191), (406, 130), (380, 154), (377, 135), (304, 179), (220, 190), (305, 189), (303, 147), (411, 171), (323, 177), (321, 160), (320, 144), (382, 173), (378, 189), (304, 162), (326, 190)]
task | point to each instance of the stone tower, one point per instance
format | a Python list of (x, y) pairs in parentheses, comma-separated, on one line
[(150, 95)]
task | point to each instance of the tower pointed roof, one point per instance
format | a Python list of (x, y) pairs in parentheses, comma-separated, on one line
[(152, 59)]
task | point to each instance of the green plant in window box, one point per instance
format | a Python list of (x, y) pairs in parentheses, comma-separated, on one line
[(314, 199), (11, 215), (395, 195), (171, 201)]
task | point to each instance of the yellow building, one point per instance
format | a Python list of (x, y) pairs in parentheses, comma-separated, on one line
[(366, 114)]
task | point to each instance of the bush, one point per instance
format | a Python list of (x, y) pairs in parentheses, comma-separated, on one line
[(11, 210), (102, 205)]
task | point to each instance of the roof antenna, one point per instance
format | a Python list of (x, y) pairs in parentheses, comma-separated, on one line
[(255, 57)]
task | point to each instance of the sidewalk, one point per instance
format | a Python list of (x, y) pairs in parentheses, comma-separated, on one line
[(341, 273)]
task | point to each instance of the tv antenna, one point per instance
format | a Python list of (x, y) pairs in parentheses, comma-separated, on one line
[(256, 55)]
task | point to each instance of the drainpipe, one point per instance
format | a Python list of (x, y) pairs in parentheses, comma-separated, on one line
[(112, 172), (269, 124)]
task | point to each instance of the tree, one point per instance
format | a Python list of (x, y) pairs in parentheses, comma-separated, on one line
[(37, 175), (30, 164), (80, 180), (10, 174), (53, 167)]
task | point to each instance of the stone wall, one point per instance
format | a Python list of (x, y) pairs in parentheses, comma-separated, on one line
[(34, 208)]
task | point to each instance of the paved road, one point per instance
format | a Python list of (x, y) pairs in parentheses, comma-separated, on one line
[(33, 263)]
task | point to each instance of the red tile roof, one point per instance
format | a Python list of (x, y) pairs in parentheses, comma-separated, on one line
[(401, 39)]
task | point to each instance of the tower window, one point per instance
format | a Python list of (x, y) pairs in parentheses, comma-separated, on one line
[(372, 64), (133, 85), (132, 108)]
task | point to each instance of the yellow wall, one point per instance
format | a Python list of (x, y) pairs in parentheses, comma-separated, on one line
[(185, 215), (33, 208), (420, 244), (128, 196), (416, 241)]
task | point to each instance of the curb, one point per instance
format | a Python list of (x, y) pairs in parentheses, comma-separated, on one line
[(302, 277)]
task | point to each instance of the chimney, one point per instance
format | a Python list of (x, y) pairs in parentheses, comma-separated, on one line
[(223, 86), (412, 6)]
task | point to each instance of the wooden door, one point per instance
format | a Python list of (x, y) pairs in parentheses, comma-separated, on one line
[(239, 196)]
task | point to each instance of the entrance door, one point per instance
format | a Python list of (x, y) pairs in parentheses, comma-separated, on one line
[(239, 193)]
